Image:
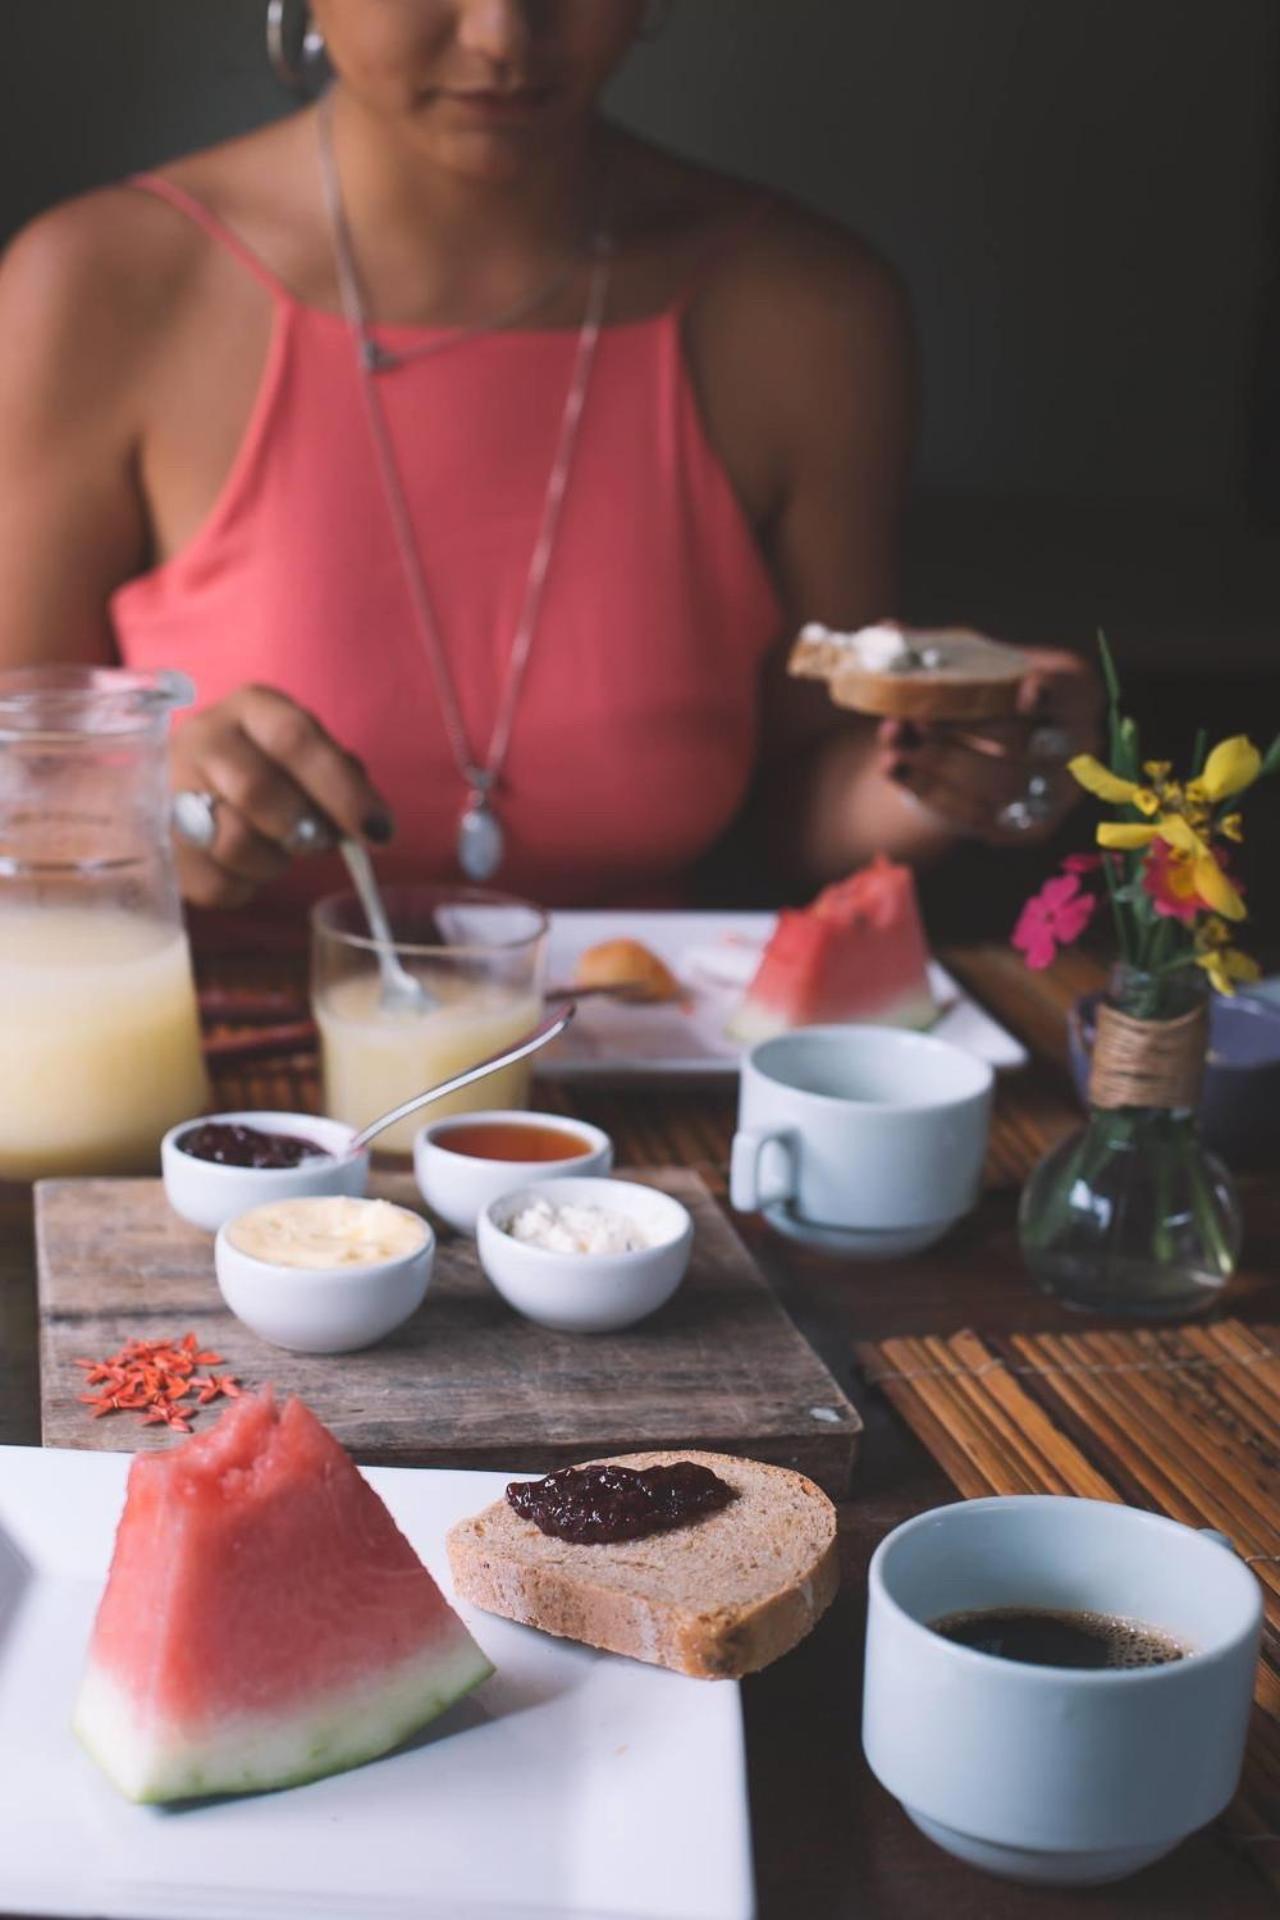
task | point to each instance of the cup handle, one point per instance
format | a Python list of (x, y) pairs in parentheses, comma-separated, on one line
[(756, 1182)]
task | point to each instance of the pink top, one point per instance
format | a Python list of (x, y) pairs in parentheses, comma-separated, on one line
[(637, 727)]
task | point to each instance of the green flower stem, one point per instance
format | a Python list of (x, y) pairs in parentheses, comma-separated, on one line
[(1122, 931), (1199, 753), (1208, 1212)]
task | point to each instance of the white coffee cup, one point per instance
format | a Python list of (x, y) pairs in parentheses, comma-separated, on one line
[(869, 1138), (1055, 1774)]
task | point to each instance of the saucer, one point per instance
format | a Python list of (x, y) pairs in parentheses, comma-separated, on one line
[(1037, 1866), (855, 1243)]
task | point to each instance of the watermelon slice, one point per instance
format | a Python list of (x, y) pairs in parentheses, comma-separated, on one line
[(857, 954), (265, 1621)]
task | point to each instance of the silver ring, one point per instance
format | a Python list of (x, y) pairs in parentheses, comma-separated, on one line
[(1031, 810), (308, 835), (195, 817), (1049, 743)]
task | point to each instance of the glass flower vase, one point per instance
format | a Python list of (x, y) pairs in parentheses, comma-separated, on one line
[(1131, 1216)]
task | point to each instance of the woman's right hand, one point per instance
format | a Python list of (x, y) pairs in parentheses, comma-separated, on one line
[(281, 785)]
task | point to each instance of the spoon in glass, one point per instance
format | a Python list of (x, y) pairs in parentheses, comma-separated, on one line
[(398, 991), (532, 1042)]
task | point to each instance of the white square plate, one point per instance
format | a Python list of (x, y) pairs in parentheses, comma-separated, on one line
[(714, 956), (572, 1783)]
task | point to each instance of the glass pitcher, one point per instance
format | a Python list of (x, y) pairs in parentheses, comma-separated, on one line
[(99, 1033)]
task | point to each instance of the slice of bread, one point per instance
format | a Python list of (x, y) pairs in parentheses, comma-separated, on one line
[(629, 964), (720, 1597), (963, 675)]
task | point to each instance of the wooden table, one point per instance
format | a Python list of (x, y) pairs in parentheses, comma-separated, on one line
[(830, 1844)]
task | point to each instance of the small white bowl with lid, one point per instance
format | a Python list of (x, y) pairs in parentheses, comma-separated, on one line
[(324, 1273), (586, 1292), (208, 1194), (458, 1178)]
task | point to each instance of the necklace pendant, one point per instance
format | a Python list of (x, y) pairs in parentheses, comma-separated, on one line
[(481, 841)]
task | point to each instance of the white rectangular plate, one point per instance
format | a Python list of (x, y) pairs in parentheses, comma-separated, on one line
[(609, 1040), (572, 1783)]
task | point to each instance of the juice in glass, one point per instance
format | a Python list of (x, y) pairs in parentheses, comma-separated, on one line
[(479, 958)]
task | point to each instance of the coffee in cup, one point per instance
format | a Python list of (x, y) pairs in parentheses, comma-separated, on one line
[(1055, 1770), (1056, 1637)]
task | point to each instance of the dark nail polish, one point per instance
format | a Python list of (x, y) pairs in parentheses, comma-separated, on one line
[(380, 828), (908, 735), (898, 771)]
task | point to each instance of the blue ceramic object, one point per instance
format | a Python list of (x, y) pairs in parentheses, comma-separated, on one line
[(1240, 1104)]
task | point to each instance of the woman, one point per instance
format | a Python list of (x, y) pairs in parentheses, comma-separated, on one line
[(477, 460)]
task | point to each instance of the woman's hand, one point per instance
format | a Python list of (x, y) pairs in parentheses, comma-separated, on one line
[(279, 786), (1006, 781)]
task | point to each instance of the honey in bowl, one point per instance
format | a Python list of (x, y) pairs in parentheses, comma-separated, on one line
[(512, 1140)]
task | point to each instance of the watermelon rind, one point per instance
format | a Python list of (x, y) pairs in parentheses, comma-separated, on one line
[(155, 1762), (753, 1023)]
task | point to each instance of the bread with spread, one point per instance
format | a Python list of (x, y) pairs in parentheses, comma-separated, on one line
[(897, 673), (718, 1596)]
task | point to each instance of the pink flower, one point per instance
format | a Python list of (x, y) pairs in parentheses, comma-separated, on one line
[(1082, 863), (1053, 918)]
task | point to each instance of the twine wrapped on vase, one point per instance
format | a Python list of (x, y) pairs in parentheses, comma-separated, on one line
[(1157, 1064)]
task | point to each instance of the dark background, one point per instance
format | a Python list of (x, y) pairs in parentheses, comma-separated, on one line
[(1084, 198)]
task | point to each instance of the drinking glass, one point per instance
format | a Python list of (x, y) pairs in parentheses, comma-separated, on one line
[(480, 959), (99, 1034)]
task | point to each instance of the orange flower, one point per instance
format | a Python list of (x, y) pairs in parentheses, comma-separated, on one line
[(1169, 881)]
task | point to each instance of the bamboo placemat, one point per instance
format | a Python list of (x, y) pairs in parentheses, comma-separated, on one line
[(1185, 1423), (660, 1126)]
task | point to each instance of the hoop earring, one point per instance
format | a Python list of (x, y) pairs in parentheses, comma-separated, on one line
[(655, 21), (296, 50)]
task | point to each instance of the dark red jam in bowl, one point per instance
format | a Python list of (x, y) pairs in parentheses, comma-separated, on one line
[(229, 1145), (593, 1505)]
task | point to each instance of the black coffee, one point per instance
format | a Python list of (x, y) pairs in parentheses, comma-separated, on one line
[(1043, 1638)]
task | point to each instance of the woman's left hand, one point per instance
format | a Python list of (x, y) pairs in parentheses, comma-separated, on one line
[(1002, 781)]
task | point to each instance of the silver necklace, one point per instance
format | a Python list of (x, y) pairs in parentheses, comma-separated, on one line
[(481, 841)]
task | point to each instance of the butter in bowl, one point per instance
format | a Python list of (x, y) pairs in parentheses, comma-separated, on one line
[(327, 1274), (585, 1255)]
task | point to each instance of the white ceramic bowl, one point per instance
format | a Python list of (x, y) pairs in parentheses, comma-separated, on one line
[(323, 1309), (459, 1187), (587, 1292), (209, 1195)]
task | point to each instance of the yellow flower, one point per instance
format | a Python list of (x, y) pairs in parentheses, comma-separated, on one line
[(1232, 766), (1126, 839), (1108, 786), (1226, 965), (1232, 828), (1157, 771)]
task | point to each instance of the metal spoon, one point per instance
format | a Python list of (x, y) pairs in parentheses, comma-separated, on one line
[(531, 1043), (398, 991)]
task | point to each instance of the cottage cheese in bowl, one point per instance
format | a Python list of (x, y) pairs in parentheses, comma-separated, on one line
[(583, 1228), (585, 1256)]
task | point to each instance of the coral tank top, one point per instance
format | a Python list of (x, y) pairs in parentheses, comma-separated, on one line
[(636, 732)]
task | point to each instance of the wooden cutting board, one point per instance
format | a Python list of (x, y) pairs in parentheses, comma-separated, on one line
[(467, 1382)]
